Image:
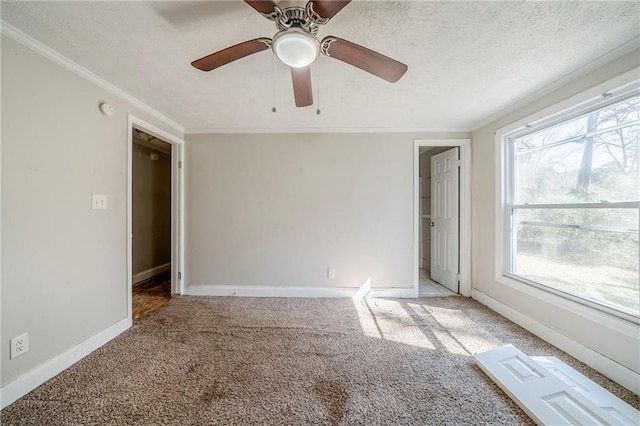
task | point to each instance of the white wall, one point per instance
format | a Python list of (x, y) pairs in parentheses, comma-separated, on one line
[(279, 209), (617, 340), (63, 264)]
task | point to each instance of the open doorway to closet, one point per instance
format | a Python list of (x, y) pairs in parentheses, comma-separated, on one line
[(151, 223), (155, 215), (442, 217)]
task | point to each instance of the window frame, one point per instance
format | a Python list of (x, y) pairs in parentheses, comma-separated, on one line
[(508, 208)]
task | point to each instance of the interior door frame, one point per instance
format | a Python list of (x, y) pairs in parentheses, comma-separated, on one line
[(464, 236), (177, 206)]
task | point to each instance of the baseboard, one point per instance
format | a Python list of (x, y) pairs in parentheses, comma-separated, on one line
[(141, 276), (17, 388), (613, 370), (287, 291)]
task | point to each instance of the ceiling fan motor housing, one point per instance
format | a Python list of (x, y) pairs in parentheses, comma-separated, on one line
[(297, 17)]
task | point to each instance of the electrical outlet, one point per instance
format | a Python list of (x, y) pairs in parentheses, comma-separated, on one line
[(19, 345), (331, 273), (98, 202)]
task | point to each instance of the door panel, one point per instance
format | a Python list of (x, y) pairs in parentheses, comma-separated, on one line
[(550, 398), (444, 208)]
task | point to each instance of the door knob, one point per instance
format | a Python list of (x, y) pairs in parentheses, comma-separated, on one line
[(432, 224)]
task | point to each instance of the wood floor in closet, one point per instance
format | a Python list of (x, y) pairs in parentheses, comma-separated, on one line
[(151, 294)]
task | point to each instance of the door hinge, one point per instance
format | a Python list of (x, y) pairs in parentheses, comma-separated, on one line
[(458, 277), (179, 164), (459, 163), (179, 275)]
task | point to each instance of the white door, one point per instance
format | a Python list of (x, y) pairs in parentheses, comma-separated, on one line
[(553, 393), (444, 218)]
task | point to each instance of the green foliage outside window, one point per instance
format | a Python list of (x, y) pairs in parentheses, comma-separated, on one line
[(588, 244)]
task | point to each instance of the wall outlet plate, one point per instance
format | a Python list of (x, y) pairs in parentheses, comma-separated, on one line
[(331, 273), (19, 345)]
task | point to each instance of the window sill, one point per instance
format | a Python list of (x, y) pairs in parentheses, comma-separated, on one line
[(616, 320)]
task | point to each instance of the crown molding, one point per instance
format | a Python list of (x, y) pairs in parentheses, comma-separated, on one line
[(38, 47), (563, 81), (206, 131)]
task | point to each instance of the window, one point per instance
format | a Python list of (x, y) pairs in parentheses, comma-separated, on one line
[(573, 204)]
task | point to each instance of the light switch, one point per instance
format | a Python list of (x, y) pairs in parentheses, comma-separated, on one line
[(98, 202)]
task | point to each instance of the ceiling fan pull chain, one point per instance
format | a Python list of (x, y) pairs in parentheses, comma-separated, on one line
[(318, 84), (273, 109)]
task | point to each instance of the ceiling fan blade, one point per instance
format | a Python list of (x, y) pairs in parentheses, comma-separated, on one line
[(360, 57), (230, 54), (266, 8), (302, 86), (323, 10)]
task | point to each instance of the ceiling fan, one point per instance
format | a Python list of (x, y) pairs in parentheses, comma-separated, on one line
[(296, 45)]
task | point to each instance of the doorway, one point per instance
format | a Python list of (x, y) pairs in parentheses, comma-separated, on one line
[(442, 249), (154, 218), (151, 223)]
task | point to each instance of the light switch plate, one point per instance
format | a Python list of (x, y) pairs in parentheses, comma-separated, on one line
[(98, 202)]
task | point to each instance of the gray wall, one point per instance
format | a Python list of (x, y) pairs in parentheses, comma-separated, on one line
[(609, 340), (63, 264), (279, 209), (151, 215)]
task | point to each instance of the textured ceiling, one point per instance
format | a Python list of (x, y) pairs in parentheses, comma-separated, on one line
[(467, 60)]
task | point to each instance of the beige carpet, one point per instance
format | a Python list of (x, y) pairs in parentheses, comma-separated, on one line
[(247, 361)]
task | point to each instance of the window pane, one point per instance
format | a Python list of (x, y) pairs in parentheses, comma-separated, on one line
[(623, 112), (591, 253), (591, 159)]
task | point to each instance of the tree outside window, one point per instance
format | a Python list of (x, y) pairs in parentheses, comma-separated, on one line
[(574, 206)]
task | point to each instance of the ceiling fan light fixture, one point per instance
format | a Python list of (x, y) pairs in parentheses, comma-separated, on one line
[(295, 47)]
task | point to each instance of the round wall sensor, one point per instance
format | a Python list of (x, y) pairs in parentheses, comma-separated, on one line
[(106, 109)]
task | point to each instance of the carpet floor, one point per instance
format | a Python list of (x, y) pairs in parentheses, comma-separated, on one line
[(250, 361)]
